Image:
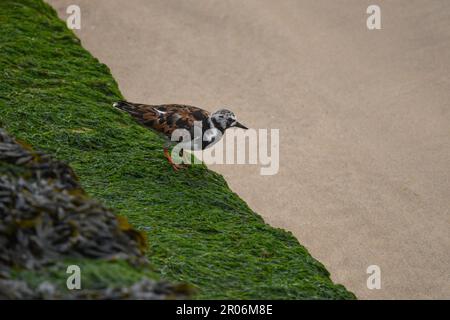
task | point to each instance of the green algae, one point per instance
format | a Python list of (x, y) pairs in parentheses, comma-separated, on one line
[(57, 97)]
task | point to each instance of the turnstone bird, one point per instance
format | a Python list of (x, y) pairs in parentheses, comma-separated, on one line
[(165, 119)]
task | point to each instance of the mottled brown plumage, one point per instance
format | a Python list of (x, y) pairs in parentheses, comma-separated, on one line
[(164, 118)]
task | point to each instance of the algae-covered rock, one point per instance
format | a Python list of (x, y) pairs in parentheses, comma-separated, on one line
[(58, 97), (45, 216)]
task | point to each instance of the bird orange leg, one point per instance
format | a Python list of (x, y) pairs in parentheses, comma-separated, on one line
[(169, 158)]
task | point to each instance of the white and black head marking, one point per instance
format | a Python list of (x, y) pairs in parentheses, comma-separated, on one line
[(224, 119)]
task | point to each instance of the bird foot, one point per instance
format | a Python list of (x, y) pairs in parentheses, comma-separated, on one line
[(177, 167)]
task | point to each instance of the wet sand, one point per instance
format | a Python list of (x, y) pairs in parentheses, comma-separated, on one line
[(364, 117)]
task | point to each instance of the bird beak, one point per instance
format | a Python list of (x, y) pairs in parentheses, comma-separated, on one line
[(238, 125)]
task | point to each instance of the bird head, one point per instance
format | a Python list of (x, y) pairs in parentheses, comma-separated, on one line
[(224, 119)]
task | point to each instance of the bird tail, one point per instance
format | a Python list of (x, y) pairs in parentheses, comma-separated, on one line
[(126, 106)]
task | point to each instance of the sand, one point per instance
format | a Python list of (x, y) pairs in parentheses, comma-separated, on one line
[(364, 117)]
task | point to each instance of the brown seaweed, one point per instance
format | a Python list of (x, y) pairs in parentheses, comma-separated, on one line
[(45, 216)]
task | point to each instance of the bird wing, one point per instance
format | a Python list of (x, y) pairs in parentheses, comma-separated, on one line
[(165, 118)]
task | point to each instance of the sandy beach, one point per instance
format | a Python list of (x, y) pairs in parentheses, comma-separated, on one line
[(364, 117)]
